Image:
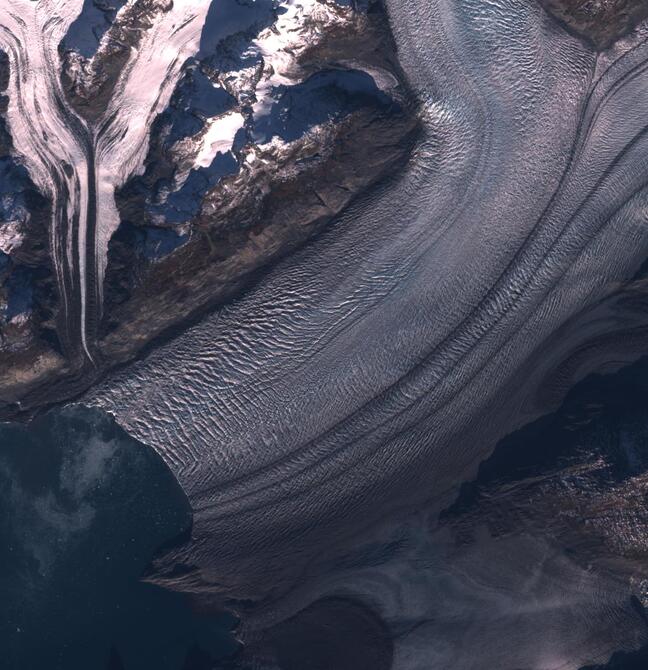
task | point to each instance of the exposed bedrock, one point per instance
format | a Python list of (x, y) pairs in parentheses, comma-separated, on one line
[(379, 366), (89, 75), (262, 144), (539, 563), (376, 368), (257, 126), (77, 163), (600, 22)]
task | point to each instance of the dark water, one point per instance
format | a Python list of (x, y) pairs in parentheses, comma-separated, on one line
[(636, 660), (596, 444), (334, 633), (604, 416), (83, 508)]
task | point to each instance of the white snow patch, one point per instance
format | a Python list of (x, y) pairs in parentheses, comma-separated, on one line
[(219, 138), (280, 45), (11, 236)]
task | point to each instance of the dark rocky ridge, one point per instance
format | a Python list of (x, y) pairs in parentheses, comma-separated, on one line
[(265, 216), (600, 22), (89, 82), (91, 25), (164, 266), (578, 476)]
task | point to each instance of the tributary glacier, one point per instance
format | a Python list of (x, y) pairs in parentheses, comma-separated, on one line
[(361, 286)]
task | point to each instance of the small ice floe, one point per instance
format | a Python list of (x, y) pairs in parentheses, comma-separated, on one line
[(11, 236)]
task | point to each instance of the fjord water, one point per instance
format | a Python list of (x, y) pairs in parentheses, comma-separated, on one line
[(374, 366), (83, 508), (539, 564)]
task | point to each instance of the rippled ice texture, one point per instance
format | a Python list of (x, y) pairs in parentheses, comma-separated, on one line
[(78, 165), (382, 362)]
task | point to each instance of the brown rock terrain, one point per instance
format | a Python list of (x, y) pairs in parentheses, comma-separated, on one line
[(600, 22)]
